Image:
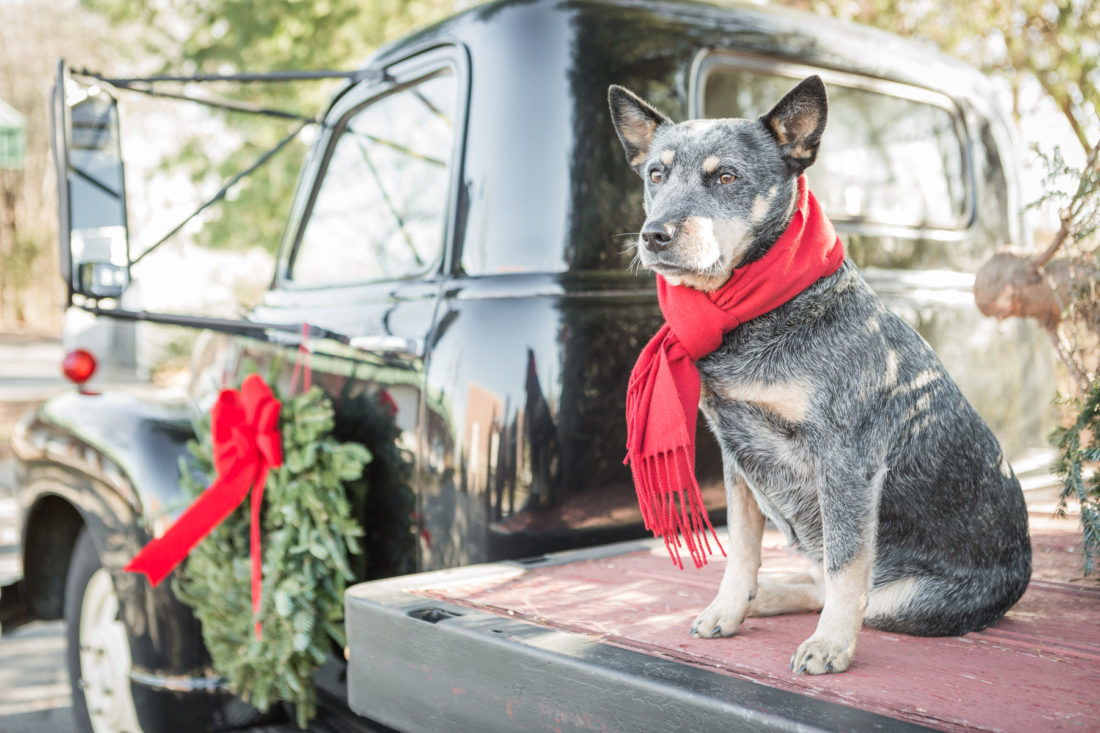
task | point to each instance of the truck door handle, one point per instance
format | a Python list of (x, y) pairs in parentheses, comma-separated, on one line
[(387, 344)]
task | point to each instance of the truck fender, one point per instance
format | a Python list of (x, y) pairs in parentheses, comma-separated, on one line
[(109, 462)]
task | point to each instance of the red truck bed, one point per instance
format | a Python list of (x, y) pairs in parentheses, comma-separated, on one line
[(597, 640)]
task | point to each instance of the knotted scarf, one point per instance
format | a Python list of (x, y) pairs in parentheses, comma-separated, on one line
[(244, 427), (662, 400)]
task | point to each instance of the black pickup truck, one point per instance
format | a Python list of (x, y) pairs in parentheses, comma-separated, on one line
[(456, 240)]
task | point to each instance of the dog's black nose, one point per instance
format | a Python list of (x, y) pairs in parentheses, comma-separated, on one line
[(657, 236)]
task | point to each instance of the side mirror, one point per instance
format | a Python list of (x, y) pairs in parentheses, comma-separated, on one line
[(91, 189)]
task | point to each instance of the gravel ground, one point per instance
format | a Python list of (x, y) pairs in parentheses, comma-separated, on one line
[(34, 687)]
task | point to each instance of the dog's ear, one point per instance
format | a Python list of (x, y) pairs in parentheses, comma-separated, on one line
[(798, 121), (635, 122)]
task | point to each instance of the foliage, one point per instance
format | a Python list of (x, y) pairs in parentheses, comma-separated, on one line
[(33, 35), (1076, 192), (1077, 336), (1078, 445), (224, 36), (1054, 42), (310, 538)]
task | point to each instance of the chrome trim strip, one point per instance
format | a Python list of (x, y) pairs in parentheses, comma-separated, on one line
[(388, 344), (798, 71), (180, 683)]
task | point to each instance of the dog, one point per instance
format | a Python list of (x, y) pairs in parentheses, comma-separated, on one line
[(835, 419)]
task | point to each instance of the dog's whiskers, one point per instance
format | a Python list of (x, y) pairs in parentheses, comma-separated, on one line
[(631, 245)]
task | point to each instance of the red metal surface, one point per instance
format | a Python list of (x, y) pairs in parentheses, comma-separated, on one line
[(1038, 669)]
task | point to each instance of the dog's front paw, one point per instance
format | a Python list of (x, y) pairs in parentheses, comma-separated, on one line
[(819, 655), (721, 618)]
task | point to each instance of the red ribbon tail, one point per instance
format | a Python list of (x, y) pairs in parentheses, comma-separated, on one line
[(158, 558), (255, 550), (301, 363)]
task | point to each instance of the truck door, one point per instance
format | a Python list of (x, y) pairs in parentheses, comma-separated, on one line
[(369, 238)]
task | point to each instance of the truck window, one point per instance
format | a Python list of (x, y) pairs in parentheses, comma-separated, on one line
[(380, 209), (884, 159)]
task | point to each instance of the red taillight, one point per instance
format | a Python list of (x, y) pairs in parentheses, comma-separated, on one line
[(79, 366)]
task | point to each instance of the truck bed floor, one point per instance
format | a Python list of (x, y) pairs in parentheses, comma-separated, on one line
[(1037, 669)]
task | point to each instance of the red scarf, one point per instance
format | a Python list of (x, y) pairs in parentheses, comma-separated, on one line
[(662, 401)]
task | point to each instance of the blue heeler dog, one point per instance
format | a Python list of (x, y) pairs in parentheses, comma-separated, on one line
[(836, 420)]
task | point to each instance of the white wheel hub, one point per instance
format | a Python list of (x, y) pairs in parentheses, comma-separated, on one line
[(105, 659)]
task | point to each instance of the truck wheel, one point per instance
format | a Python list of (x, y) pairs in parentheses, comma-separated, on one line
[(99, 647)]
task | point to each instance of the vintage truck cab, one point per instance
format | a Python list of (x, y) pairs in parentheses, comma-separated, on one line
[(461, 239)]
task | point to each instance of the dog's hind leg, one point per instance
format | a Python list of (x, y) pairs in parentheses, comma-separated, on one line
[(739, 585), (938, 606), (774, 599)]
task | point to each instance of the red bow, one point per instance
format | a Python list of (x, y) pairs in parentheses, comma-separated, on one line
[(244, 426)]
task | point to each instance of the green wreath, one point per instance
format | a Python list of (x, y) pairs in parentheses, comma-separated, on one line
[(310, 542)]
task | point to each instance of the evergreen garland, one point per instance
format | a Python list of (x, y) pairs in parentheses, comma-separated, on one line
[(310, 538), (1078, 446)]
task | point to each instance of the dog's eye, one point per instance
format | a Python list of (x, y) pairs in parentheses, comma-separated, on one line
[(656, 176), (727, 178)]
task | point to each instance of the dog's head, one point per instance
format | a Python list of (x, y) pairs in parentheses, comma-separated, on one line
[(718, 193)]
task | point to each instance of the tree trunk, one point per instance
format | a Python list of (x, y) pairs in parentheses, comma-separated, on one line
[(1011, 284)]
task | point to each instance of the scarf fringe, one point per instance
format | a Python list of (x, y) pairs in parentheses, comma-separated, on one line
[(671, 511)]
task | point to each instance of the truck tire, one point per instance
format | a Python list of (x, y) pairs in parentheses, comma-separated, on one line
[(98, 653)]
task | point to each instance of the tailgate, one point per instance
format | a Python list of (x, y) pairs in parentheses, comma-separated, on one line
[(597, 640)]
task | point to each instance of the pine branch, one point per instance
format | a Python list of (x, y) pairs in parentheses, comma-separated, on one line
[(1069, 215)]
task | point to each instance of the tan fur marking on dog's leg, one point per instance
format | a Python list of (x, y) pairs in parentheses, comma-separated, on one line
[(668, 156), (846, 590), (833, 644), (774, 599), (805, 578), (739, 585), (788, 400), (891, 598), (710, 164)]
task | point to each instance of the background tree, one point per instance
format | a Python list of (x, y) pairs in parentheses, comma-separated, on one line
[(33, 34), (226, 36)]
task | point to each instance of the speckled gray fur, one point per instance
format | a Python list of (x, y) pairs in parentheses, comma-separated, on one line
[(950, 511), (885, 458)]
